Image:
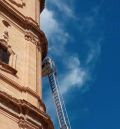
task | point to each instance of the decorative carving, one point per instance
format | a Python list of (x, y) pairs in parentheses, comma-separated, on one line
[(30, 114), (26, 23), (30, 37), (24, 124), (19, 3), (6, 23), (5, 35), (29, 20), (4, 43)]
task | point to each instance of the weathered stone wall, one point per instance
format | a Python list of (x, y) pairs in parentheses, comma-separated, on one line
[(29, 8), (21, 106), (25, 60)]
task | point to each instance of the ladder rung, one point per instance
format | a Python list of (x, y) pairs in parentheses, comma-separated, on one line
[(51, 79), (55, 96), (60, 115), (57, 101), (53, 88), (58, 104), (52, 83), (55, 93), (59, 108)]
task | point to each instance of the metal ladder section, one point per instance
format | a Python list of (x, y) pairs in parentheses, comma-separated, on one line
[(50, 71)]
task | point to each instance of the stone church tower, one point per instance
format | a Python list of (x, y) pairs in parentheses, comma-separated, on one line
[(23, 46)]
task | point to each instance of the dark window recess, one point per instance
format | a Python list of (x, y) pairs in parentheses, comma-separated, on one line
[(4, 55)]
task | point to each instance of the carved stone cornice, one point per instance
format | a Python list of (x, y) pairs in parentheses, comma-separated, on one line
[(31, 37), (26, 23), (24, 124), (25, 112), (19, 4)]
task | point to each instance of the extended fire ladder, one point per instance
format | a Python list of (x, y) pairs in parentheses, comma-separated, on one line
[(48, 69)]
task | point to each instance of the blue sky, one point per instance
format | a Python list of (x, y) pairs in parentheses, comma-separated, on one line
[(84, 41)]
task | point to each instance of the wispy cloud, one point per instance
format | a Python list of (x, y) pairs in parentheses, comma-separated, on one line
[(48, 23), (55, 32), (75, 77), (88, 20), (65, 8), (94, 50)]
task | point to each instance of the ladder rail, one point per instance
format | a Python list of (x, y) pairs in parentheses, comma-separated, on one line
[(49, 70), (64, 107), (58, 104)]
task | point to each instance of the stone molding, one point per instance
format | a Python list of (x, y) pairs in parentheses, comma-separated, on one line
[(7, 68), (28, 115), (23, 124), (27, 23), (22, 89), (21, 3), (31, 37)]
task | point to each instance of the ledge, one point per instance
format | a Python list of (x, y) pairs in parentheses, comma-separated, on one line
[(7, 68)]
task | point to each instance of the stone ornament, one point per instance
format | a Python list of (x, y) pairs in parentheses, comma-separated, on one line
[(19, 3), (5, 35)]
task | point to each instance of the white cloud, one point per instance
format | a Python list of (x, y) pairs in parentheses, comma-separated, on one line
[(54, 31), (94, 50), (49, 23), (64, 7), (75, 77)]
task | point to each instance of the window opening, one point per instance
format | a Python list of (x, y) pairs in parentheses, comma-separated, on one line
[(4, 55)]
